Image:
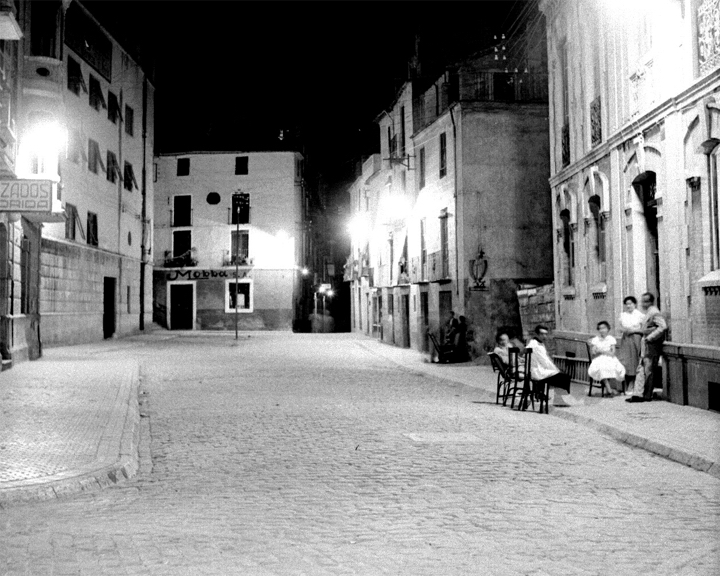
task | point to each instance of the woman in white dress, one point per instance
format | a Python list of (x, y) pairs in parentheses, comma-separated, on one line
[(631, 320), (605, 366)]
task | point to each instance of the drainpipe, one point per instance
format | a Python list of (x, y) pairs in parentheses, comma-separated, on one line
[(143, 219), (455, 198)]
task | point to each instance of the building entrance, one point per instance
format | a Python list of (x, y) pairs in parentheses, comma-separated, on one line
[(645, 187), (181, 306), (108, 307)]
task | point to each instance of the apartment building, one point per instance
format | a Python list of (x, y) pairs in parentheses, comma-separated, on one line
[(634, 132), (231, 240), (457, 214), (76, 136)]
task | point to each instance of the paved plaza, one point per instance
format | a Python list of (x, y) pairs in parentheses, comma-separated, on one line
[(282, 454)]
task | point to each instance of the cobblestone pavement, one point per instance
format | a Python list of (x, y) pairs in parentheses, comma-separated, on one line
[(287, 454)]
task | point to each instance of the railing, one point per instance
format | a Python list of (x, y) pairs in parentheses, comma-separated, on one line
[(241, 259), (180, 261)]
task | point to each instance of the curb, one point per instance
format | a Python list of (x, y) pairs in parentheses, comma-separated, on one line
[(122, 431), (694, 461)]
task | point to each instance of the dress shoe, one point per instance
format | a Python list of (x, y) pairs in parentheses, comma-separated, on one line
[(635, 399)]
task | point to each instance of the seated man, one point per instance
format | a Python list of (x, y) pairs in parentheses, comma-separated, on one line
[(543, 369)]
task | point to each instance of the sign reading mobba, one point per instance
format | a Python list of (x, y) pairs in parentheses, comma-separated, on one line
[(26, 195)]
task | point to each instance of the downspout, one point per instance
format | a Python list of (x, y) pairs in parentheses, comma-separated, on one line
[(119, 287), (143, 219), (455, 199)]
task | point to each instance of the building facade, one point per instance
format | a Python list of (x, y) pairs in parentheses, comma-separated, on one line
[(454, 213), (218, 213), (634, 129), (76, 123), (82, 90)]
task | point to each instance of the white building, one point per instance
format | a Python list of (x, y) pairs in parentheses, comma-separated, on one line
[(634, 133), (83, 126), (200, 238)]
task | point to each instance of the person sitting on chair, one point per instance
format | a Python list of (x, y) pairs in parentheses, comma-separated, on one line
[(543, 369)]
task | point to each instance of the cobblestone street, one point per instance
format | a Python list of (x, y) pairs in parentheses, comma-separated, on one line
[(284, 454)]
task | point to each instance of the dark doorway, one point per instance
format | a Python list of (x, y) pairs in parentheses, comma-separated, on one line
[(645, 187), (406, 320), (424, 319), (108, 307), (181, 306), (503, 87)]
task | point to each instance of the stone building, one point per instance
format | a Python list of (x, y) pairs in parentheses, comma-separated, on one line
[(634, 132), (76, 123), (455, 211), (218, 212)]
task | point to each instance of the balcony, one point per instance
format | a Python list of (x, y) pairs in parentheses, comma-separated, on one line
[(566, 144), (187, 259), (241, 259), (43, 76)]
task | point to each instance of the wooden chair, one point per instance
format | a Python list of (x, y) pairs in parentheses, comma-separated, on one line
[(527, 392), (504, 378), (445, 354), (517, 374)]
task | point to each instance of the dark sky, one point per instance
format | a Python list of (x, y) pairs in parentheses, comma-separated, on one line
[(231, 74)]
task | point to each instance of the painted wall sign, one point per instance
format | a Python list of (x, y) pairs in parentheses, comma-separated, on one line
[(201, 274), (26, 195)]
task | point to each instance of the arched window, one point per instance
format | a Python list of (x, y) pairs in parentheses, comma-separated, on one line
[(568, 248), (594, 203)]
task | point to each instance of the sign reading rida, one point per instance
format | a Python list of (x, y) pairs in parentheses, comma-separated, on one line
[(26, 195)]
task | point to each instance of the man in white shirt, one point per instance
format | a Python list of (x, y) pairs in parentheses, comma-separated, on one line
[(543, 369)]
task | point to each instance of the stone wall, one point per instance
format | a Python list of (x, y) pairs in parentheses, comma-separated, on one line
[(537, 306)]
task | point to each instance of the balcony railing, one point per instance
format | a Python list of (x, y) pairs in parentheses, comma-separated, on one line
[(595, 121), (565, 144), (184, 260), (242, 259)]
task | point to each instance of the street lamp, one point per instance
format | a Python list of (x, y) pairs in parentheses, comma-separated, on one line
[(236, 206)]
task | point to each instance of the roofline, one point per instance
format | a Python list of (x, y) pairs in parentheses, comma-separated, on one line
[(218, 152)]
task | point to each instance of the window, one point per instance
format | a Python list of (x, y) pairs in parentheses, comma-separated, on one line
[(568, 248), (443, 155), (75, 81), (113, 169), (422, 168), (444, 249), (88, 40), (240, 213), (239, 295), (92, 228), (183, 167), (94, 158), (594, 204), (182, 243), (423, 251), (97, 100), (239, 246), (129, 121), (402, 131), (129, 177), (25, 273), (128, 300), (241, 165), (182, 210), (72, 222), (113, 108)]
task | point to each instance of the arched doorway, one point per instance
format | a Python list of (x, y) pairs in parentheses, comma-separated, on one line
[(645, 188)]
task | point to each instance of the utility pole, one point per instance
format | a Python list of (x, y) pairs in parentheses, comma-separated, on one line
[(236, 209)]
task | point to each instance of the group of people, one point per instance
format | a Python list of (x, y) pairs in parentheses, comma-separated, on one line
[(643, 333), (454, 337)]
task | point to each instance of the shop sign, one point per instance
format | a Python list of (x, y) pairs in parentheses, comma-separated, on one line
[(201, 274), (26, 195)]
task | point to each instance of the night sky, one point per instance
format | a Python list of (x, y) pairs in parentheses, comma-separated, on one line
[(231, 74)]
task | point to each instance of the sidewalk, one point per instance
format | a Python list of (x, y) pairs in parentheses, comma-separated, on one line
[(68, 422), (681, 433)]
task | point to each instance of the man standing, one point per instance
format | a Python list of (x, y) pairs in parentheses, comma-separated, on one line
[(654, 329), (543, 369)]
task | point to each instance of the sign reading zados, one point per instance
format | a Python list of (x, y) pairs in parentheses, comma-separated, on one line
[(26, 195)]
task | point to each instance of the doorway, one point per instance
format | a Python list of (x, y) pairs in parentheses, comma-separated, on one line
[(406, 320), (181, 306), (645, 187), (108, 307)]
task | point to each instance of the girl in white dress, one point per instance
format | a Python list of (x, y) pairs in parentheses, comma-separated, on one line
[(605, 366)]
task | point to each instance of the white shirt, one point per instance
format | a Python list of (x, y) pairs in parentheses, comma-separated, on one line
[(541, 366)]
